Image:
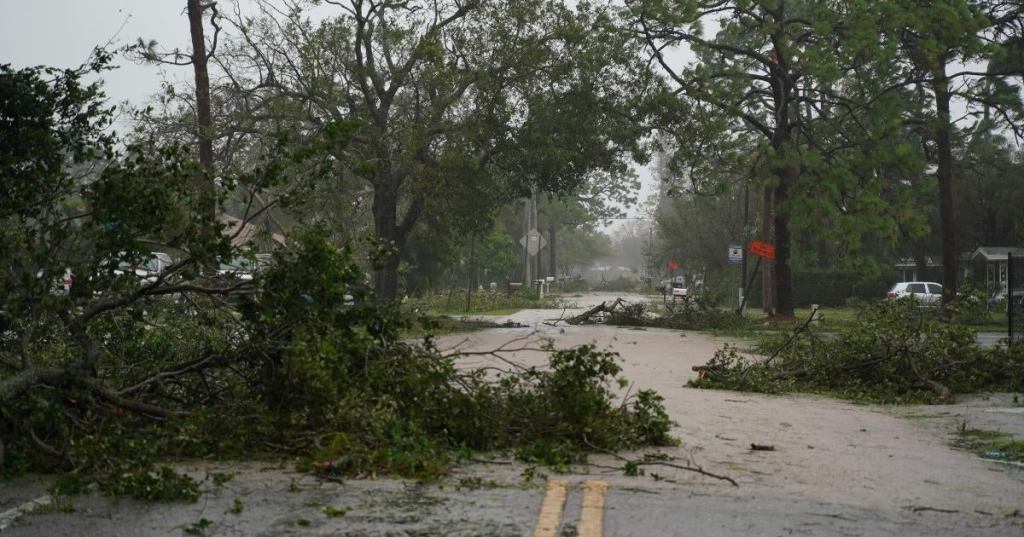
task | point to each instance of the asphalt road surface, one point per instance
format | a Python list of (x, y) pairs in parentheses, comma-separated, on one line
[(836, 469)]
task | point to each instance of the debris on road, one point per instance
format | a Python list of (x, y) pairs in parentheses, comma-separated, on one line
[(588, 316)]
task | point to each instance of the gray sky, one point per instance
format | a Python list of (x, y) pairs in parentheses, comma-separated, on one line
[(61, 33)]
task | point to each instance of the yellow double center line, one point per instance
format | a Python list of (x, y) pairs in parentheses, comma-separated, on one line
[(591, 513)]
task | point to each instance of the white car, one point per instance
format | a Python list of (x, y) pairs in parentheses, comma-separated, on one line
[(152, 266), (244, 268), (923, 292), (666, 286)]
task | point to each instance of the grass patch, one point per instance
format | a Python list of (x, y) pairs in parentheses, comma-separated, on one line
[(483, 303), (987, 444)]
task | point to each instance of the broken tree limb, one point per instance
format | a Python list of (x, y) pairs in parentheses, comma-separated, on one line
[(600, 308), (925, 382), (635, 463), (30, 379), (792, 337)]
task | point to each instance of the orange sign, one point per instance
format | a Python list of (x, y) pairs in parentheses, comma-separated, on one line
[(763, 250), (672, 265)]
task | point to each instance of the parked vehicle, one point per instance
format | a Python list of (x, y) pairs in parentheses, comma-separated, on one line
[(244, 268), (667, 285), (148, 270), (928, 293)]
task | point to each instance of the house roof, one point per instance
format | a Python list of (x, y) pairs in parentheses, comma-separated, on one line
[(248, 232), (997, 253)]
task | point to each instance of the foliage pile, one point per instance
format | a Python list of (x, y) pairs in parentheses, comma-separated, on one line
[(678, 318), (897, 351), (311, 368)]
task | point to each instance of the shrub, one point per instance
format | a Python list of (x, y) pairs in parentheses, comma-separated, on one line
[(483, 302)]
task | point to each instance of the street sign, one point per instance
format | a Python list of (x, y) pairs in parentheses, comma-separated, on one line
[(533, 242), (762, 250), (672, 265), (735, 254)]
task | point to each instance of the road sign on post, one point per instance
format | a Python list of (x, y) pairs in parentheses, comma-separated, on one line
[(672, 265), (763, 250), (735, 254), (533, 242)]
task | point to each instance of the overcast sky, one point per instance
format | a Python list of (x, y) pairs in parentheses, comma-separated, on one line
[(61, 33)]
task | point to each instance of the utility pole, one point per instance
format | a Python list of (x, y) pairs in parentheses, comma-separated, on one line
[(649, 258), (469, 272), (526, 233), (552, 270), (537, 259)]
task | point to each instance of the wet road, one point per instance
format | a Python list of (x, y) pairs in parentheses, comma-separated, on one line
[(279, 502), (838, 469)]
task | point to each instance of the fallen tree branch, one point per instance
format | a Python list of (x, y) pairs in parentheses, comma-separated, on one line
[(792, 337), (600, 308), (181, 369), (688, 468), (29, 379), (47, 448)]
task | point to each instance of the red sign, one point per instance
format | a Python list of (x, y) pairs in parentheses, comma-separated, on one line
[(762, 249), (672, 265)]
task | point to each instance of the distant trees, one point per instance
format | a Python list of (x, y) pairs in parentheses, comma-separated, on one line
[(792, 81), (458, 108), (843, 122), (437, 116), (990, 190), (940, 41)]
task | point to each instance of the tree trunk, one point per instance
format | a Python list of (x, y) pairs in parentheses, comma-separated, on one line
[(385, 219), (944, 173), (767, 283), (204, 117), (783, 274), (470, 275)]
